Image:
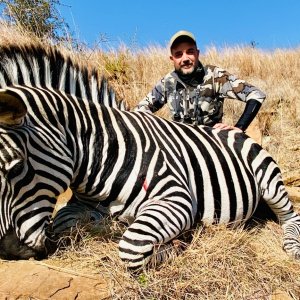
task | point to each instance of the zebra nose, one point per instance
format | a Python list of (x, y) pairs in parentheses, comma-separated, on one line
[(52, 241), (12, 248)]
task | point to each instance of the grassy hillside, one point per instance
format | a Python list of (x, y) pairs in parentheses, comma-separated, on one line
[(218, 263), (277, 73), (133, 75)]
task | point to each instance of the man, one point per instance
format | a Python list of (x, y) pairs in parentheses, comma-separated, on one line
[(195, 93)]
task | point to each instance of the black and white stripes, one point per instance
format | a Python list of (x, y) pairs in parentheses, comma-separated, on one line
[(59, 128)]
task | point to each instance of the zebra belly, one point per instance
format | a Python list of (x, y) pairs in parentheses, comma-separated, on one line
[(226, 210)]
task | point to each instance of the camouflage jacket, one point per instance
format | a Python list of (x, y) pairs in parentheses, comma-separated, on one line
[(199, 101)]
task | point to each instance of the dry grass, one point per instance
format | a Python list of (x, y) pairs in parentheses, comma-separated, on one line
[(218, 263)]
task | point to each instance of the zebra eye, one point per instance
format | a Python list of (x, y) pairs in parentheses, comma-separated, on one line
[(14, 169)]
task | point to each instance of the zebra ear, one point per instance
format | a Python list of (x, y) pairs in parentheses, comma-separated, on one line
[(12, 108)]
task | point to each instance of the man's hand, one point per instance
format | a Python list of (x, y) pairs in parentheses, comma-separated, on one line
[(225, 126)]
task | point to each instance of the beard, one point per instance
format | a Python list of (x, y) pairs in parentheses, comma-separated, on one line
[(192, 76), (183, 71)]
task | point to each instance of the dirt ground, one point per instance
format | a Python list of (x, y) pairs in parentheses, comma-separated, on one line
[(37, 280)]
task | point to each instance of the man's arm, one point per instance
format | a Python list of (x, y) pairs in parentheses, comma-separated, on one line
[(251, 110), (234, 88), (153, 101)]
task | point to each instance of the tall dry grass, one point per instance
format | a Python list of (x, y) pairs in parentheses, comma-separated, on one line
[(218, 263), (133, 75)]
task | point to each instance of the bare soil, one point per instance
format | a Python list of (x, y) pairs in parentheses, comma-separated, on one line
[(38, 280)]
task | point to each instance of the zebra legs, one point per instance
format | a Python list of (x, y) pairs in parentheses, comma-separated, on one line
[(148, 238), (291, 239), (290, 221), (76, 212), (277, 198)]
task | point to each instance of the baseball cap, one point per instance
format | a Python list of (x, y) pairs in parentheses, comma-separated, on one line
[(182, 36)]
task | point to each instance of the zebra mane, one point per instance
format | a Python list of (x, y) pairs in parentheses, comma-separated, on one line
[(46, 66)]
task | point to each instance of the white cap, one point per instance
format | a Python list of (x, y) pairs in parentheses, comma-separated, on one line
[(182, 34)]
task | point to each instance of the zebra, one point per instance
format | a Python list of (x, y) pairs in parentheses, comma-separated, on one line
[(59, 128)]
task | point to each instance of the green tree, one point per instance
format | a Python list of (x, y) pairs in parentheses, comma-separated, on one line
[(39, 17)]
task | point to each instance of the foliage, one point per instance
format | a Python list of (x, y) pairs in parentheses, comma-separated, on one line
[(39, 17)]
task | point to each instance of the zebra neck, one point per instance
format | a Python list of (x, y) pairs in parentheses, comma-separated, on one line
[(105, 151)]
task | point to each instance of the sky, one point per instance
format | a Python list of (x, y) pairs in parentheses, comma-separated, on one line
[(269, 24)]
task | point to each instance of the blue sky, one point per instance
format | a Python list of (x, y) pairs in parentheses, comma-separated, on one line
[(270, 24)]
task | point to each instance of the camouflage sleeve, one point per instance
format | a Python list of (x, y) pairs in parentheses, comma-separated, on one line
[(229, 86), (154, 100)]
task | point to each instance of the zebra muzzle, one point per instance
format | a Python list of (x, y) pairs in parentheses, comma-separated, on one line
[(12, 248)]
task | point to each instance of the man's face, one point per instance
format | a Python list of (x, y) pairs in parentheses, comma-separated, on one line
[(185, 57)]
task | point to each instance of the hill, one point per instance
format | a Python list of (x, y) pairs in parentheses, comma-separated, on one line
[(218, 263)]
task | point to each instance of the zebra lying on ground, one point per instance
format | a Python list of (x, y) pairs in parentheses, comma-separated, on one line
[(159, 176)]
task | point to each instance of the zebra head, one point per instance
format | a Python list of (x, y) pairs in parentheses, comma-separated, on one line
[(42, 90), (27, 192)]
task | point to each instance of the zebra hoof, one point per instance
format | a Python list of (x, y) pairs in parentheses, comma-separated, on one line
[(63, 223), (293, 252)]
